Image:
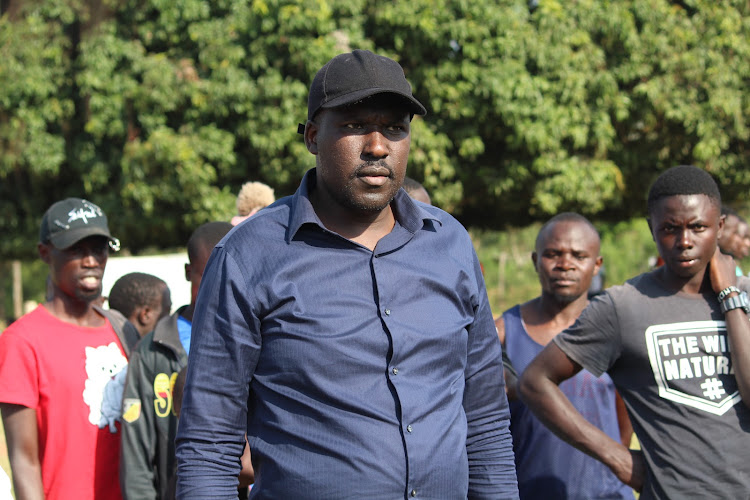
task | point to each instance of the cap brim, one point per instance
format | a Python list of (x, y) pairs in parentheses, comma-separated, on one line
[(67, 239), (415, 107)]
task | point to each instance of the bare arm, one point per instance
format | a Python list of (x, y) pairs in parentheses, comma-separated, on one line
[(539, 389), (23, 450), (511, 377), (623, 421), (247, 474), (722, 273)]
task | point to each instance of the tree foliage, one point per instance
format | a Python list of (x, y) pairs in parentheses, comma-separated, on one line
[(158, 110)]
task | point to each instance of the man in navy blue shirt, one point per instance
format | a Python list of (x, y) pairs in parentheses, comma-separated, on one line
[(347, 329)]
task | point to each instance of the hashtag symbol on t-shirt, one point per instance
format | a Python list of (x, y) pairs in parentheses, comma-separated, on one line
[(713, 388)]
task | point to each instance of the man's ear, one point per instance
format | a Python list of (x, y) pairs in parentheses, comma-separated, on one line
[(143, 315), (187, 272), (311, 137), (598, 264)]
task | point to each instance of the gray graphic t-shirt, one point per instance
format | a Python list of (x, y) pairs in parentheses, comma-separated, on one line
[(669, 358)]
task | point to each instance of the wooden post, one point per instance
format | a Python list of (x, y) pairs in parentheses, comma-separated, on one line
[(17, 289)]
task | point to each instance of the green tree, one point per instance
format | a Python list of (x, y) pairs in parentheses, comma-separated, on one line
[(159, 110)]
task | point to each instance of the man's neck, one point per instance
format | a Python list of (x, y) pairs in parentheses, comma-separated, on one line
[(696, 284), (364, 228), (76, 311), (545, 316)]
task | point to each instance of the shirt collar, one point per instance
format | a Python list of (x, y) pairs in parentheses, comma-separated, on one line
[(408, 214)]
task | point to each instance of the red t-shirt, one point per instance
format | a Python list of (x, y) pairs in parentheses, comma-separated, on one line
[(60, 370)]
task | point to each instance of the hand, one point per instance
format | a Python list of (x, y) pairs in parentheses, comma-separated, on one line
[(511, 386), (632, 469), (722, 270)]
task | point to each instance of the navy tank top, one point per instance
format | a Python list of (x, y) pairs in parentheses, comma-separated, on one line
[(547, 467)]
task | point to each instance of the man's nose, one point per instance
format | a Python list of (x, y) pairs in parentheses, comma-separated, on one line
[(565, 262), (684, 238), (376, 145)]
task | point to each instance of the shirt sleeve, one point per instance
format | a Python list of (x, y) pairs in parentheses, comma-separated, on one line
[(138, 449), (19, 373), (593, 340), (492, 471), (225, 345)]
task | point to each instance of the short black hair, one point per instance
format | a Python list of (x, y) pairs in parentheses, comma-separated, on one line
[(134, 290), (683, 180), (206, 236), (410, 185), (565, 217)]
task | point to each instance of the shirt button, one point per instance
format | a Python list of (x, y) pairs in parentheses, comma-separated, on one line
[(394, 371), (387, 312), (413, 493), (409, 429)]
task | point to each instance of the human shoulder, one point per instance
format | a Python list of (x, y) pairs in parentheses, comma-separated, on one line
[(513, 315), (269, 224), (442, 229), (33, 324), (641, 286), (443, 218), (165, 332), (500, 327)]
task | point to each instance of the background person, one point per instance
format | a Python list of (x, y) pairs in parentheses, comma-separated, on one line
[(566, 258), (676, 342), (143, 298), (252, 197), (346, 328), (149, 420), (731, 239), (56, 361), (416, 190)]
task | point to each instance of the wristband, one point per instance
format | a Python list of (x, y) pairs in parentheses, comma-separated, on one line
[(737, 302), (723, 294)]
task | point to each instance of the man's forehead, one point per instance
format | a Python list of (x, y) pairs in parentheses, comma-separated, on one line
[(679, 204), (563, 229)]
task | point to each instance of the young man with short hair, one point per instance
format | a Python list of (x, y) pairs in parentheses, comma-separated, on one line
[(56, 361), (149, 422), (142, 298), (676, 343)]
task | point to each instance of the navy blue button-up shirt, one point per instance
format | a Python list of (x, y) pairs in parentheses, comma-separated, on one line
[(355, 373)]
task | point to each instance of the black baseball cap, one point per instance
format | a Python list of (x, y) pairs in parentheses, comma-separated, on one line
[(357, 75), (69, 221)]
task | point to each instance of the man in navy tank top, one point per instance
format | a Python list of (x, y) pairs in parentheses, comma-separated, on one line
[(566, 258)]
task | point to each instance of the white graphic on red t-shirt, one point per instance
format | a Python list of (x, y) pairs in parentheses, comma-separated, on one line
[(102, 364)]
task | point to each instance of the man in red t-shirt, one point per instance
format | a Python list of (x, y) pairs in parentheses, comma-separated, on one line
[(55, 362)]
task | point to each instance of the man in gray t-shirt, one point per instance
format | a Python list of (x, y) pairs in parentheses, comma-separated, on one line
[(676, 343)]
